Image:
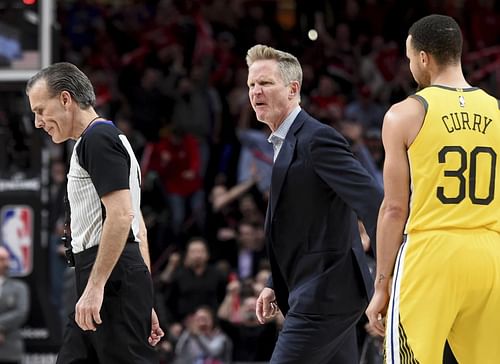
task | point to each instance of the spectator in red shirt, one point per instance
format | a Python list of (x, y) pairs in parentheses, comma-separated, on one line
[(176, 160)]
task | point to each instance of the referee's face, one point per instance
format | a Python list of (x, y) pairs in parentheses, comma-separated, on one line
[(52, 113)]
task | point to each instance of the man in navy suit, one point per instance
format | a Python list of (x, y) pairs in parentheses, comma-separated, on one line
[(320, 280)]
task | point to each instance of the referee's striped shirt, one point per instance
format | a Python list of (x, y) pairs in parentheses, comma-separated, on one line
[(102, 162)]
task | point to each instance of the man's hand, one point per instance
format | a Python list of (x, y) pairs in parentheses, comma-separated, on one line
[(377, 310), (156, 331), (233, 287), (174, 260), (87, 308), (266, 307)]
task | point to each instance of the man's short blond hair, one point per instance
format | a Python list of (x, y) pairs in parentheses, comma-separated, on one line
[(288, 64)]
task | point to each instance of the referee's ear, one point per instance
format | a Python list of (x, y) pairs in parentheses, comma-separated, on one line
[(65, 99)]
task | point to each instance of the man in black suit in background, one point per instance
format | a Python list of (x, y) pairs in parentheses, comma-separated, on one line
[(320, 280)]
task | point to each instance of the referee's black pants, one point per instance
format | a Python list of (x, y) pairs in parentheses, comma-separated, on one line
[(122, 338)]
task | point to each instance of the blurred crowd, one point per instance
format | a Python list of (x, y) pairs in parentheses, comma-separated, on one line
[(171, 74)]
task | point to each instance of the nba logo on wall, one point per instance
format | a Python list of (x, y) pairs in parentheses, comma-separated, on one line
[(17, 237)]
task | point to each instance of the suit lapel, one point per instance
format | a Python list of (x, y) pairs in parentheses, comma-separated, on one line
[(280, 170), (283, 162)]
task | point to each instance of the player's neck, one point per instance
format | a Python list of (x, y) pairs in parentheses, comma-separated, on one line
[(451, 76)]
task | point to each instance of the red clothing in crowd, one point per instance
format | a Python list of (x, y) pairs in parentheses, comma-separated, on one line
[(176, 159)]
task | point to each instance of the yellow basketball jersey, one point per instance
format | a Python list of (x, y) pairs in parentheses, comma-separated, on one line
[(454, 159)]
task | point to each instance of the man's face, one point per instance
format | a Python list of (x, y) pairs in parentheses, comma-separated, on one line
[(417, 69), (50, 112), (269, 95), (247, 205), (4, 261), (197, 254), (248, 309), (203, 320), (246, 236)]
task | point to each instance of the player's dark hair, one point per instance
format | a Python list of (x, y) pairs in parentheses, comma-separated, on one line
[(438, 35)]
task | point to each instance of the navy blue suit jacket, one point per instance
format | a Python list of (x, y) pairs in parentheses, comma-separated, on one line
[(318, 192)]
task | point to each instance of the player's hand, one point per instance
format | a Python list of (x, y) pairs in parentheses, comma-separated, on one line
[(88, 307), (377, 310), (266, 307), (156, 331)]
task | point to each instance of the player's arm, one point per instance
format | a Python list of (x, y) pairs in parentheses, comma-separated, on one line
[(394, 209), (398, 128), (115, 230)]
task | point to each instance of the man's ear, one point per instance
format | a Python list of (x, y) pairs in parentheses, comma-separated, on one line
[(424, 58), (65, 98), (294, 89)]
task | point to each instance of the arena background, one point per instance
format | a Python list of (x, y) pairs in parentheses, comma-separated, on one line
[(155, 61)]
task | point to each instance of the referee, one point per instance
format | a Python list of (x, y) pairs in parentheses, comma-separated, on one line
[(114, 320)]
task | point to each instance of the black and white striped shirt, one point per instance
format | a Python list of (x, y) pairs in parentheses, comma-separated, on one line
[(102, 162)]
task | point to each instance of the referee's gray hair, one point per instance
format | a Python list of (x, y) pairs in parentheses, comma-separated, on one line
[(64, 76), (288, 64)]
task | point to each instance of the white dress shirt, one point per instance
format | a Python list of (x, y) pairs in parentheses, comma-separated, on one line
[(279, 135)]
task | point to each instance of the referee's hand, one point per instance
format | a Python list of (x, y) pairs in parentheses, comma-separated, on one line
[(156, 331), (87, 308)]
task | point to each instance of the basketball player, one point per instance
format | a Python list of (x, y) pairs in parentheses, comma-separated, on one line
[(440, 211)]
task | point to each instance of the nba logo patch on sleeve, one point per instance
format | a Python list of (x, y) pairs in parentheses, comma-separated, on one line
[(17, 237)]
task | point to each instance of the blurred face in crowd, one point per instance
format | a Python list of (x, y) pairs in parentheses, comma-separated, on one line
[(417, 67), (271, 99), (326, 86), (4, 261), (247, 205), (52, 114), (246, 236), (58, 172), (263, 276), (248, 310), (203, 320), (196, 255), (185, 86)]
